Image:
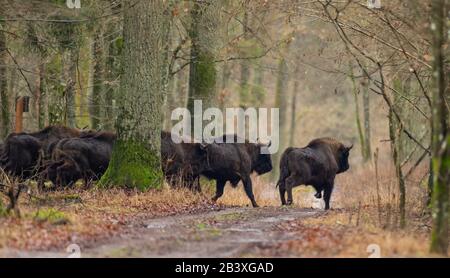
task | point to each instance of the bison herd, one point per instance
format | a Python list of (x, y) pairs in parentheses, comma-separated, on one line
[(65, 155)]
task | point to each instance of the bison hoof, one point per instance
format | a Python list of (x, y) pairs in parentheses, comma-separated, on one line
[(318, 195), (289, 203)]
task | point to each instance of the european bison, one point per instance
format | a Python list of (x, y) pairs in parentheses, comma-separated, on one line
[(20, 155), (182, 163), (22, 151), (316, 164), (86, 157), (234, 162)]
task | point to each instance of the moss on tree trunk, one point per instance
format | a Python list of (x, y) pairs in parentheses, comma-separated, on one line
[(135, 160), (133, 164), (202, 71), (441, 134)]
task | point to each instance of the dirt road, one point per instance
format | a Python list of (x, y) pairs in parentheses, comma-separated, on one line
[(231, 232)]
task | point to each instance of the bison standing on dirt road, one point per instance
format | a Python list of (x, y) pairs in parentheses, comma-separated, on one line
[(234, 162), (317, 164)]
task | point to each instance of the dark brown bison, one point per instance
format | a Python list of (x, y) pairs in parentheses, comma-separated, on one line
[(22, 152), (86, 157), (20, 155), (182, 163), (317, 164), (235, 162)]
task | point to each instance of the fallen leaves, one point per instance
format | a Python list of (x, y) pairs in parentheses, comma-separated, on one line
[(88, 217)]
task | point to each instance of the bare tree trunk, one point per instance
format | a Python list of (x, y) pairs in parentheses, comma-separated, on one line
[(366, 107), (70, 91), (135, 160), (294, 105), (181, 88), (43, 109), (202, 73), (37, 96), (12, 96), (113, 66), (394, 134), (281, 103), (441, 136), (258, 91), (171, 100), (355, 90), (245, 64), (224, 93), (4, 98), (98, 77)]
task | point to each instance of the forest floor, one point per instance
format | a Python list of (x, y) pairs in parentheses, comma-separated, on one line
[(178, 223)]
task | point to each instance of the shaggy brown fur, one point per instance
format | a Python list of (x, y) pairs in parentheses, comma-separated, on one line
[(317, 164)]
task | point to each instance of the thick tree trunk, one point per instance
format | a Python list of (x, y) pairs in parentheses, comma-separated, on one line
[(98, 77), (135, 160), (245, 65), (4, 99), (281, 102), (70, 91), (441, 136), (202, 74), (294, 105)]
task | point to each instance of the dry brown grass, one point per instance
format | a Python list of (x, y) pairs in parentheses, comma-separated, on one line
[(355, 220), (56, 219)]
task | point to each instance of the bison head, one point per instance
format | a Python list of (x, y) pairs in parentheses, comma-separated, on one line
[(68, 173), (342, 158), (64, 172), (263, 163)]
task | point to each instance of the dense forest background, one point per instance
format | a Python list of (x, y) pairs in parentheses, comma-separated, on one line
[(370, 76)]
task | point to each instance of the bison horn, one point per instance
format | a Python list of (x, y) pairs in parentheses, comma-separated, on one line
[(351, 147)]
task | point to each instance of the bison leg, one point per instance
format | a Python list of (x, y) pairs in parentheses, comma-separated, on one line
[(249, 191), (319, 190), (290, 183), (282, 189), (327, 195), (220, 184)]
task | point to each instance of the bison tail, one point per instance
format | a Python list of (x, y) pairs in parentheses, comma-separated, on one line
[(284, 170)]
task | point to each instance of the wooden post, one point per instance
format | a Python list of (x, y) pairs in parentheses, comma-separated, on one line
[(19, 115)]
